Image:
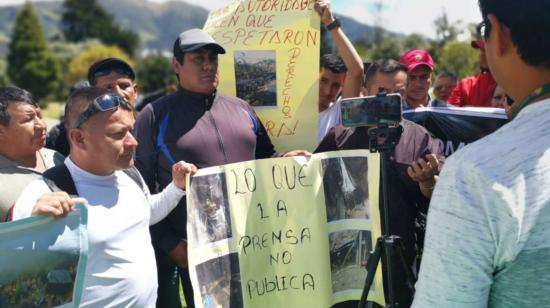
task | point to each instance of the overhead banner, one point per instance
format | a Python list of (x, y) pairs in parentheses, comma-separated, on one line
[(456, 127), (284, 232), (272, 61), (43, 260)]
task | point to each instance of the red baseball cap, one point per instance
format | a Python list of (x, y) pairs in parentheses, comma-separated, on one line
[(478, 44), (416, 57)]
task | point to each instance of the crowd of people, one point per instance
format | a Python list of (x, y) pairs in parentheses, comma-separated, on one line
[(486, 243)]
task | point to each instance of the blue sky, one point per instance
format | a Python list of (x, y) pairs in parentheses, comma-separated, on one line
[(405, 16)]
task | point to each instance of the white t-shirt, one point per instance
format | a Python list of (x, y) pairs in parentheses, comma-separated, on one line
[(329, 118), (488, 234), (121, 269)]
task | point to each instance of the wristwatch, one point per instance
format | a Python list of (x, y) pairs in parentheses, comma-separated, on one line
[(333, 25)]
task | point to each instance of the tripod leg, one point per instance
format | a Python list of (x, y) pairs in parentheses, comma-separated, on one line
[(372, 263), (408, 271)]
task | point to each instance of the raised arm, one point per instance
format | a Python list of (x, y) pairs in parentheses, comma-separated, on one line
[(352, 60)]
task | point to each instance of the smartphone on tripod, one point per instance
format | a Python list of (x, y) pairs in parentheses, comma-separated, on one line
[(371, 111)]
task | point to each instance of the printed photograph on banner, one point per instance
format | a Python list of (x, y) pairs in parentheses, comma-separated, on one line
[(39, 261), (212, 221), (349, 252), (46, 283), (345, 184), (220, 282), (256, 78)]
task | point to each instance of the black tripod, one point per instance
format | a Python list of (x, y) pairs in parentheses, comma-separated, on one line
[(383, 140)]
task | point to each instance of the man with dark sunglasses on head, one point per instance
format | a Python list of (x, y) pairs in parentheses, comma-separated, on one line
[(121, 269), (488, 235)]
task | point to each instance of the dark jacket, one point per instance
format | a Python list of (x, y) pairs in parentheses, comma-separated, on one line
[(205, 130)]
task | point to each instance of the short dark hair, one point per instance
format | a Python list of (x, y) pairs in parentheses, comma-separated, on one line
[(447, 74), (528, 23), (178, 53), (386, 66), (79, 101), (333, 63), (13, 95)]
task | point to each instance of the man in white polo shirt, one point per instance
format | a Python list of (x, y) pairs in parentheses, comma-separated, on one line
[(121, 269)]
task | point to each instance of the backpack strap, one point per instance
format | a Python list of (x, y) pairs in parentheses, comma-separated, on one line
[(59, 178), (134, 174)]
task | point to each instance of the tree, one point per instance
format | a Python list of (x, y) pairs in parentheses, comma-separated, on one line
[(82, 20), (78, 67), (4, 81), (415, 41), (388, 48), (30, 64), (445, 31), (459, 58), (155, 72)]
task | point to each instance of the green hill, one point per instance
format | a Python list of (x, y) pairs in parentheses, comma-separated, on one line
[(157, 24)]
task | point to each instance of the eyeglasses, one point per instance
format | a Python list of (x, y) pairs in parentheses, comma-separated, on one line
[(484, 29), (105, 102)]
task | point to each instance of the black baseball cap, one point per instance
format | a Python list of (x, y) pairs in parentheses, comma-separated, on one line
[(195, 39), (108, 65)]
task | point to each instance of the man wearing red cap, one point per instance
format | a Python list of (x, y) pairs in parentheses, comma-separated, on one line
[(420, 67), (477, 90)]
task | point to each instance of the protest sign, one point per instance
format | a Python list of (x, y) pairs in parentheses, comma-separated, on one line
[(456, 127), (43, 260), (272, 61), (293, 232)]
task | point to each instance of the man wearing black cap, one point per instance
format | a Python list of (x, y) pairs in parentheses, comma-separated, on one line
[(116, 76), (203, 127), (112, 74)]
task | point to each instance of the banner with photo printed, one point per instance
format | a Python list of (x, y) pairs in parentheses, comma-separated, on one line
[(272, 61), (456, 127), (43, 260), (292, 232)]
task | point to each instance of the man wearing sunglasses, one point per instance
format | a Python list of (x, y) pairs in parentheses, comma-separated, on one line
[(121, 268), (488, 236)]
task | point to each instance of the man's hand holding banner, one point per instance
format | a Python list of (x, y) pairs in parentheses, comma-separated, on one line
[(288, 231)]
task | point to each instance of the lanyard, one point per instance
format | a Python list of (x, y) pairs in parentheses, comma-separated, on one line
[(538, 93)]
